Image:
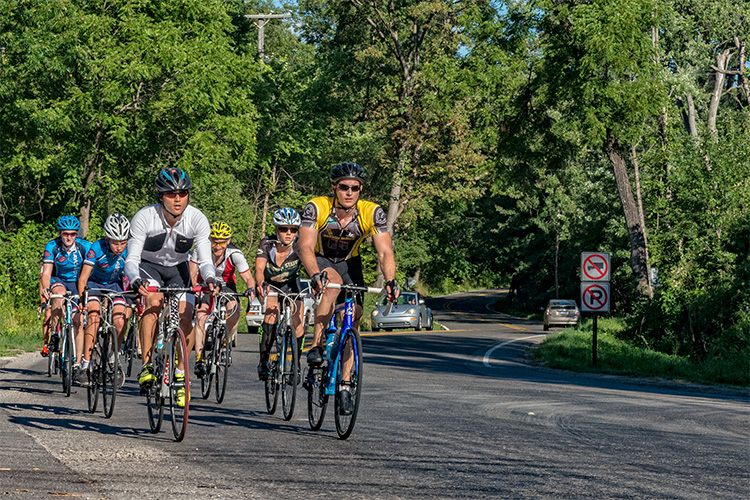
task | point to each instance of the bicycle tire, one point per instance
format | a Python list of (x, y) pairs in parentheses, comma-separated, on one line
[(154, 399), (178, 350), (131, 345), (92, 391), (209, 357), (289, 373), (272, 385), (223, 350), (317, 399), (50, 363), (66, 368), (345, 423), (108, 371)]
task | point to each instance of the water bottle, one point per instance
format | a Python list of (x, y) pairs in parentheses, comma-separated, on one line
[(330, 334), (160, 340)]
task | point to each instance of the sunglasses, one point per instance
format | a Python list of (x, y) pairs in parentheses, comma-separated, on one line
[(173, 194), (287, 229), (69, 234), (347, 187), (219, 243)]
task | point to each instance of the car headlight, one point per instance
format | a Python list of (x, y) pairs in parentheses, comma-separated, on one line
[(374, 313), (412, 311)]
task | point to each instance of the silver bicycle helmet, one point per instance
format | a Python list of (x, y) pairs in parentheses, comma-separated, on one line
[(286, 217), (117, 227)]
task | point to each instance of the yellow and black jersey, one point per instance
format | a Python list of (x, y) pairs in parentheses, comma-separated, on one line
[(338, 243)]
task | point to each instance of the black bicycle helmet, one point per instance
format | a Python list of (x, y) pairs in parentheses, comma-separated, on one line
[(347, 170), (172, 179)]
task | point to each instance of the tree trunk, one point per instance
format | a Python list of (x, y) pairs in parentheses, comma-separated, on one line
[(557, 264), (636, 230), (713, 104)]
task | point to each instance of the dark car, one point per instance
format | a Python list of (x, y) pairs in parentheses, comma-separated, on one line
[(409, 311)]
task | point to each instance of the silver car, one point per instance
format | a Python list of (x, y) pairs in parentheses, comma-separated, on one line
[(561, 312), (409, 311)]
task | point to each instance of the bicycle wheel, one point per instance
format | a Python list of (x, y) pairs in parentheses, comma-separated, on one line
[(92, 391), (351, 378), (272, 382), (50, 363), (223, 350), (317, 399), (178, 351), (131, 344), (66, 368), (289, 365), (154, 399), (109, 364)]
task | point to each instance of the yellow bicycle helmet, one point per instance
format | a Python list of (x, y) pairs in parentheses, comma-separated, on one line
[(220, 231)]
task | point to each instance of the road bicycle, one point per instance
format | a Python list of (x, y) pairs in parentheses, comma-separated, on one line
[(105, 360), (283, 358), (217, 347), (169, 349), (67, 341), (53, 358), (341, 369), (129, 347)]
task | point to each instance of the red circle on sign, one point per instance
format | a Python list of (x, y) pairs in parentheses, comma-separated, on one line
[(602, 271), (595, 303)]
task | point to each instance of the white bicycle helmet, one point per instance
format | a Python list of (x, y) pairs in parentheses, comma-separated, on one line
[(117, 227), (286, 217)]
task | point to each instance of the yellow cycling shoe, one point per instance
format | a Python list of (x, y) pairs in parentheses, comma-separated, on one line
[(180, 379), (146, 377)]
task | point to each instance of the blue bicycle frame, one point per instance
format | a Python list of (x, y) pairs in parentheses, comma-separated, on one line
[(335, 345)]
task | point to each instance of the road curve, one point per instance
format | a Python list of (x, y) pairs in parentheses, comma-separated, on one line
[(445, 414)]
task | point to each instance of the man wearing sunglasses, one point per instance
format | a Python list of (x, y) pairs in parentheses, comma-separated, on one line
[(333, 228), (278, 263), (160, 237), (62, 263)]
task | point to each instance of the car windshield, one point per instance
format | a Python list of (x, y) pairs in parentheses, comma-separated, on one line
[(403, 299)]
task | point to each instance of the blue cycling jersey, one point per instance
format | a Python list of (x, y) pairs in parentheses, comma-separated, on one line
[(66, 265), (108, 267)]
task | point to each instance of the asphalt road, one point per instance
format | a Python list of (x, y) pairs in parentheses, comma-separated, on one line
[(444, 414)]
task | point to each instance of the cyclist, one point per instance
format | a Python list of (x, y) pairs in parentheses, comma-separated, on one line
[(333, 228), (104, 269), (278, 263), (62, 262), (227, 259), (160, 237)]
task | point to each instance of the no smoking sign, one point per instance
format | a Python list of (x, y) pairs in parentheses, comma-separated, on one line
[(595, 297), (595, 266)]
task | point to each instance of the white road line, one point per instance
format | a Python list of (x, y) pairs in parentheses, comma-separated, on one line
[(487, 354)]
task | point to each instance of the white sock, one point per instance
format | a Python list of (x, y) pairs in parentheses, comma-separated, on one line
[(85, 364)]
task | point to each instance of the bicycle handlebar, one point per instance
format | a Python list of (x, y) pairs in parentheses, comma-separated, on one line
[(169, 289), (355, 288)]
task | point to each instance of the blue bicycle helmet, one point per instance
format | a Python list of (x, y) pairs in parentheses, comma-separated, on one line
[(286, 217), (68, 223)]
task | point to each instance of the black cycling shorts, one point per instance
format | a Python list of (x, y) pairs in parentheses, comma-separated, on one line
[(178, 276), (350, 271)]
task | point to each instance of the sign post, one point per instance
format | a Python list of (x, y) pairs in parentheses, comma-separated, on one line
[(595, 296)]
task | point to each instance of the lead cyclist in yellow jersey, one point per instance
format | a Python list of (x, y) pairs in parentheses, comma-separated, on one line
[(332, 230)]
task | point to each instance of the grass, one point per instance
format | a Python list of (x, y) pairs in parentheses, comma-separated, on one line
[(20, 330), (571, 349)]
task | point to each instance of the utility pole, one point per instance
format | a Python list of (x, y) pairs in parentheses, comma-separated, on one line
[(261, 24)]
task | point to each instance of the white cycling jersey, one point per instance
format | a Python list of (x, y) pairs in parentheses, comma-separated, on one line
[(233, 259), (153, 240)]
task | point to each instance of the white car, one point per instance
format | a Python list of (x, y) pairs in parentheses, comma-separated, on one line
[(255, 314)]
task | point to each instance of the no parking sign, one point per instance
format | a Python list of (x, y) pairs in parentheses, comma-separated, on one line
[(595, 297)]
